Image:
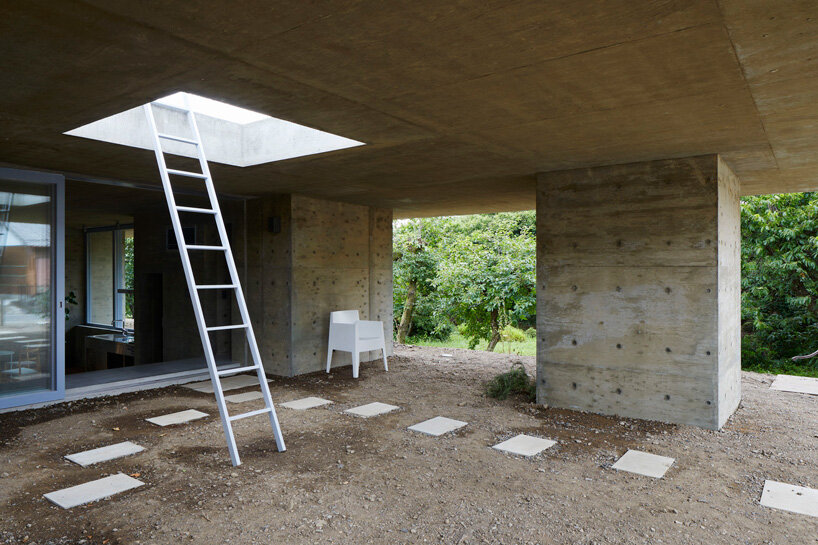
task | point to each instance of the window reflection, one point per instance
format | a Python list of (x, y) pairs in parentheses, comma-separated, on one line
[(26, 305)]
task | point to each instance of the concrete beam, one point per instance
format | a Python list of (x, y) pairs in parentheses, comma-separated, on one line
[(638, 271)]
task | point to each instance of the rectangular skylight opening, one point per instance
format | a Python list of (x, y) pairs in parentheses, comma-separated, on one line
[(230, 134), (212, 108)]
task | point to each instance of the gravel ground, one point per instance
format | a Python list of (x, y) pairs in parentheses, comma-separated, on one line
[(351, 480)]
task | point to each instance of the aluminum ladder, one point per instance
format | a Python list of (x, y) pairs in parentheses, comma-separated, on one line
[(193, 288)]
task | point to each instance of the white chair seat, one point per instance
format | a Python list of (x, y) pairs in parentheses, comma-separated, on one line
[(348, 333)]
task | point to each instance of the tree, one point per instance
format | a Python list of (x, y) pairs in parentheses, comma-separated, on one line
[(779, 279), (414, 269), (486, 273)]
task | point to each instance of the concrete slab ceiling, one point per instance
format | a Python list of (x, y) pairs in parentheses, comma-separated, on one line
[(459, 107)]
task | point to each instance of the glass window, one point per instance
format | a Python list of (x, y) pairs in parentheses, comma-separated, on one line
[(26, 299), (110, 258)]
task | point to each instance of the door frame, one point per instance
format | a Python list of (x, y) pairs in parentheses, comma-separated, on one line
[(57, 390)]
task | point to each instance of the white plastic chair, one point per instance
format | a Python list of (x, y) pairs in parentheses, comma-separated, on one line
[(348, 333)]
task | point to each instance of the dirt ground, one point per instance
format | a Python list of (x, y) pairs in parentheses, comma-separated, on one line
[(345, 479)]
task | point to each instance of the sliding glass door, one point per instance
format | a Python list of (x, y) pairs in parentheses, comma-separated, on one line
[(32, 314)]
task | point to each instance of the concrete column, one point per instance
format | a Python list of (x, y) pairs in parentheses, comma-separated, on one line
[(638, 271), (327, 256)]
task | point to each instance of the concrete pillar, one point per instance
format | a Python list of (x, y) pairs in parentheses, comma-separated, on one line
[(638, 270), (327, 256)]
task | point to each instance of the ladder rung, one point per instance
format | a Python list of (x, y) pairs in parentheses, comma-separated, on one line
[(236, 370), (187, 173), (200, 247), (216, 287), (194, 209), (251, 413), (223, 327), (178, 138)]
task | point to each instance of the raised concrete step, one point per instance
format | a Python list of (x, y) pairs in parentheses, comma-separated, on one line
[(525, 445), (92, 491), (438, 425), (800, 385), (306, 403), (790, 497), (103, 454), (241, 398), (644, 463), (228, 383), (177, 418), (372, 409)]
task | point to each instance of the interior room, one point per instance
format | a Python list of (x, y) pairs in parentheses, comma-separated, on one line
[(127, 309)]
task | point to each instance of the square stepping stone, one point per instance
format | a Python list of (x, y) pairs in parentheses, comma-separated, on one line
[(176, 418), (92, 491), (306, 403), (525, 445), (241, 398), (789, 497), (103, 454), (644, 463), (372, 409), (801, 385), (228, 383), (438, 426)]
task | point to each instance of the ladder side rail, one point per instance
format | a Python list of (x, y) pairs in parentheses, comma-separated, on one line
[(194, 296), (239, 292)]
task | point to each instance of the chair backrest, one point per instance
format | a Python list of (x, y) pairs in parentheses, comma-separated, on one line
[(343, 316)]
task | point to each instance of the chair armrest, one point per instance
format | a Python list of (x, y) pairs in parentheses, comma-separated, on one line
[(370, 328)]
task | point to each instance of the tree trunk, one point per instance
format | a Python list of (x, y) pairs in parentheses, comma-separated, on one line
[(406, 317), (495, 331)]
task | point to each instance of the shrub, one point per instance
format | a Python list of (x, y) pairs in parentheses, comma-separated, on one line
[(531, 333), (514, 381), (511, 334)]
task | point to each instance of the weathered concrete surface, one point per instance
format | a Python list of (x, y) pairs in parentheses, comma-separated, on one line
[(460, 106), (328, 256), (638, 290)]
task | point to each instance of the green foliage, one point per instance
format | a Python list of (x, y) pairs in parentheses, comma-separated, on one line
[(531, 333), (128, 259), (779, 281), (515, 381), (465, 270), (511, 334), (488, 273), (429, 320)]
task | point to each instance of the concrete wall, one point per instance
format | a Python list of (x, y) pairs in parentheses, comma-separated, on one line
[(638, 290), (328, 256)]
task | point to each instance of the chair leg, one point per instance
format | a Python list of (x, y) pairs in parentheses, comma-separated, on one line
[(356, 362), (329, 358)]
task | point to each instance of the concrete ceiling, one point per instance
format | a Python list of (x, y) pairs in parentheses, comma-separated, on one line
[(460, 103)]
